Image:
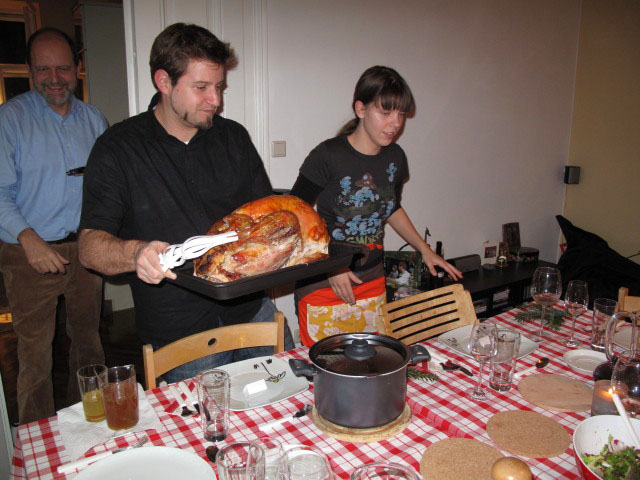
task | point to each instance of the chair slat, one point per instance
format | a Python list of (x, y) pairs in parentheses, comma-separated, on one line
[(212, 341), (416, 318)]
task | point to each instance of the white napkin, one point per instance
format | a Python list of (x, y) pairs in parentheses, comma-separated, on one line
[(78, 435)]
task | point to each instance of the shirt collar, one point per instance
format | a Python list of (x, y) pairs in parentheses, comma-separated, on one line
[(157, 130), (44, 106)]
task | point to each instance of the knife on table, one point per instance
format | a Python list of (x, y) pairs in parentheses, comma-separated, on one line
[(304, 410), (71, 466)]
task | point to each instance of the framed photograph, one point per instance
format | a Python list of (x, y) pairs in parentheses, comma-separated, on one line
[(489, 252), (402, 269), (511, 235)]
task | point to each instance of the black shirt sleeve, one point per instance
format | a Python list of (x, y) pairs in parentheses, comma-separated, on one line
[(306, 190)]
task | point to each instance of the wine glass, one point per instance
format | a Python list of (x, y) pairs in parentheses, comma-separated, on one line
[(546, 288), (576, 301), (483, 344)]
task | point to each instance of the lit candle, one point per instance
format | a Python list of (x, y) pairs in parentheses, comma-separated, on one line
[(602, 401)]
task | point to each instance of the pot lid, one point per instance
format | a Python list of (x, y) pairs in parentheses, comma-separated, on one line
[(359, 354)]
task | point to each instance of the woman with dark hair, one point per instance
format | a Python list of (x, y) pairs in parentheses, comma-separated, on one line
[(356, 179)]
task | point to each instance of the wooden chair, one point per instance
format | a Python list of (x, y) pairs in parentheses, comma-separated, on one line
[(416, 318), (626, 302), (212, 341)]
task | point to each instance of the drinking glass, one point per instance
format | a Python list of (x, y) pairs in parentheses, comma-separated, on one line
[(304, 463), (546, 288), (603, 310), (482, 345), (384, 470), (272, 449), (89, 381), (214, 390), (576, 301), (503, 364), (120, 397), (241, 461)]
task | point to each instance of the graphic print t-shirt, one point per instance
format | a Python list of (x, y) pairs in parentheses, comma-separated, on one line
[(358, 191)]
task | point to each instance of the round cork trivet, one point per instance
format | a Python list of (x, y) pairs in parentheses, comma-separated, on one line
[(556, 392), (458, 458), (363, 435), (528, 434)]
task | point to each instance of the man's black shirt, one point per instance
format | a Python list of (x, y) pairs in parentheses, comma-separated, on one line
[(142, 183)]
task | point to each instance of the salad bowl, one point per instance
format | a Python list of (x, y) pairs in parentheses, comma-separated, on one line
[(592, 434)]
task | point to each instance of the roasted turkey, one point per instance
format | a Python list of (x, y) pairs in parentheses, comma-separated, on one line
[(273, 232)]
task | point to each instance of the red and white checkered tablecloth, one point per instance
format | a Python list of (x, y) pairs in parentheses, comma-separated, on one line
[(439, 410)]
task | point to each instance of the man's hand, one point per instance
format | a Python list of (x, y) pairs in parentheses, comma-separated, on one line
[(40, 255), (147, 262), (340, 282)]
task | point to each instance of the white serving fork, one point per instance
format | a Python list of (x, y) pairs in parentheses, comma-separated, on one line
[(193, 247), (71, 466)]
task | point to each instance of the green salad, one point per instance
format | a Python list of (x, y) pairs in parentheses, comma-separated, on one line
[(615, 462)]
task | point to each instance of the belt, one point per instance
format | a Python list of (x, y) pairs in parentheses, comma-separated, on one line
[(72, 237)]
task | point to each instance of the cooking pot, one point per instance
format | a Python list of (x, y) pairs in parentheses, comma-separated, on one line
[(359, 379)]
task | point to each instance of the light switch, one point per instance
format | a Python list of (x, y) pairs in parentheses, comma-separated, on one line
[(279, 148)]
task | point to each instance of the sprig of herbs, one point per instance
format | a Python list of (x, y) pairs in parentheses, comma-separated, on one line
[(553, 317), (421, 375)]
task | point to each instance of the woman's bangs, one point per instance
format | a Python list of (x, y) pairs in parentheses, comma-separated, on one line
[(396, 99)]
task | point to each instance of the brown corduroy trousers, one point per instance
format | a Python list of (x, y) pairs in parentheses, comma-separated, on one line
[(33, 299)]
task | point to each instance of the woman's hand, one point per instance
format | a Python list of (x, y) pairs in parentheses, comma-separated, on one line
[(341, 281), (431, 259)]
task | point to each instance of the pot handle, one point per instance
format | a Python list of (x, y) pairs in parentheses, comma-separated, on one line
[(419, 353), (301, 368)]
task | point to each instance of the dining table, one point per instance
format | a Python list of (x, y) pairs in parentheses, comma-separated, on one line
[(439, 410)]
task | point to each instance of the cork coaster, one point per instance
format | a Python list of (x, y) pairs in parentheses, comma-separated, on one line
[(528, 434), (363, 435), (556, 392), (458, 458)]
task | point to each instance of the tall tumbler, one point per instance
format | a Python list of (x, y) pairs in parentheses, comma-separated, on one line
[(503, 365), (603, 309), (214, 389)]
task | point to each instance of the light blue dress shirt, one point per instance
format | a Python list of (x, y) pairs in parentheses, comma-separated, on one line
[(37, 148)]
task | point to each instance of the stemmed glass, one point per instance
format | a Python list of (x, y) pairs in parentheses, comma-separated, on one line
[(546, 288), (483, 344), (576, 301)]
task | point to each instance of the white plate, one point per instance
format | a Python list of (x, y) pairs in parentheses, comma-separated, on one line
[(253, 370), (583, 361), (458, 340), (149, 463)]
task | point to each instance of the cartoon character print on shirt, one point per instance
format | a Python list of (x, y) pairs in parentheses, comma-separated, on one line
[(363, 206)]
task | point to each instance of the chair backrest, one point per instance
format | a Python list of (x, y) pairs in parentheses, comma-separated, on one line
[(626, 302), (212, 341), (416, 318)]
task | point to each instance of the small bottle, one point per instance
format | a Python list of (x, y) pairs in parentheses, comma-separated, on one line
[(439, 280)]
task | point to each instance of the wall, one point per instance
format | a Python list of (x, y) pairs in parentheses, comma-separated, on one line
[(605, 138), (493, 80)]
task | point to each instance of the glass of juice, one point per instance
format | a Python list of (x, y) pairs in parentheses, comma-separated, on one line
[(89, 381), (120, 397)]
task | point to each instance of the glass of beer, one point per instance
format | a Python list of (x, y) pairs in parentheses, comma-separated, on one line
[(120, 397), (90, 379)]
